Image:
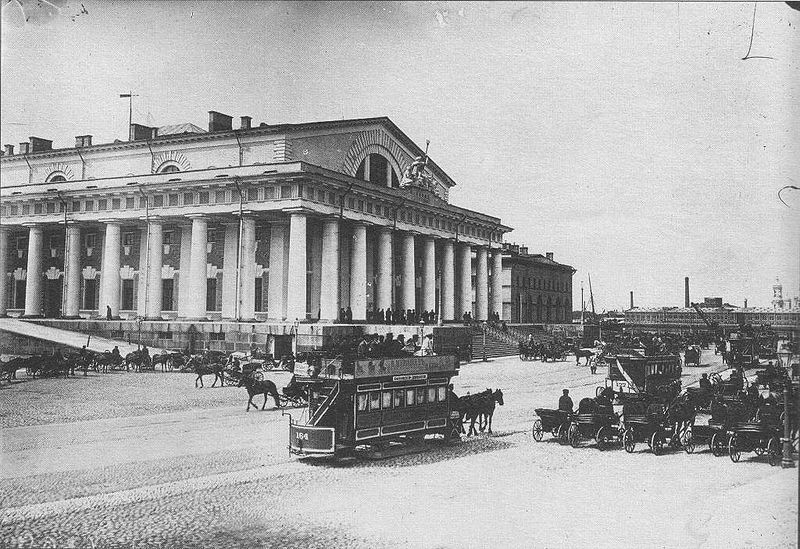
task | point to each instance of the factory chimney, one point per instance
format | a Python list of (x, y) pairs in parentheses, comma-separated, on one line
[(745, 303), (631, 299), (687, 304)]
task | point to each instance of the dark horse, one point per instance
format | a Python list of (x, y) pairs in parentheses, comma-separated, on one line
[(480, 407), (255, 387), (216, 370)]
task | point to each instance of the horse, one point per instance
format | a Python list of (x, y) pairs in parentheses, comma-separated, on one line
[(264, 387), (216, 370), (470, 409), (588, 354), (165, 359), (9, 369), (487, 410), (137, 359)]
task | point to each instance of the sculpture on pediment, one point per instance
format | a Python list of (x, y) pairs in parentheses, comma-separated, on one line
[(415, 175)]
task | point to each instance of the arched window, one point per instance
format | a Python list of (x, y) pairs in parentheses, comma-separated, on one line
[(169, 168), (376, 169), (56, 177)]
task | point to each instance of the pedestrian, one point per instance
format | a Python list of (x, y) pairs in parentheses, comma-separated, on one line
[(108, 313)]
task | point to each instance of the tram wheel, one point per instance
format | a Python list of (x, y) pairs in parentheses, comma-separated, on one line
[(734, 452), (537, 431), (656, 443), (629, 441)]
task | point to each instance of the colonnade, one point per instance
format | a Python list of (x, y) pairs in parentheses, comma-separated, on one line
[(288, 288)]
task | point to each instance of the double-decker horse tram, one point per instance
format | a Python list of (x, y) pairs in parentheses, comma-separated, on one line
[(374, 406)]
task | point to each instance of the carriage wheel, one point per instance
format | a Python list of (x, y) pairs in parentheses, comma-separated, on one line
[(600, 437), (563, 433), (759, 450), (687, 441), (733, 451), (629, 440), (599, 390), (522, 356), (537, 431), (717, 445), (774, 451), (573, 436), (656, 443)]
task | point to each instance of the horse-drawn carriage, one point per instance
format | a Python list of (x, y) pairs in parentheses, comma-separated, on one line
[(556, 422), (374, 404), (630, 372), (691, 357), (658, 424)]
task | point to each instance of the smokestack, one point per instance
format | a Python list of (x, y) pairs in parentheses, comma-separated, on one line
[(82, 141), (9, 150), (631, 299), (745, 303), (24, 148), (687, 304), (246, 122), (218, 122)]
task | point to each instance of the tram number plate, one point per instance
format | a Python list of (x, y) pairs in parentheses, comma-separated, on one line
[(312, 439)]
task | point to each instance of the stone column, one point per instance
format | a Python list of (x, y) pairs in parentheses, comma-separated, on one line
[(154, 264), (278, 271), (384, 268), (229, 257), (465, 278), (3, 270), (297, 283), (196, 306), (358, 272), (409, 270), (183, 277), (329, 292), (482, 284), (429, 274), (72, 272), (33, 282), (448, 282), (247, 271), (109, 275), (497, 282)]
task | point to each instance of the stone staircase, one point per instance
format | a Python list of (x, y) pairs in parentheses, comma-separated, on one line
[(495, 347)]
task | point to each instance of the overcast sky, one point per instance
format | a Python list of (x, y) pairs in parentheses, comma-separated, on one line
[(631, 140)]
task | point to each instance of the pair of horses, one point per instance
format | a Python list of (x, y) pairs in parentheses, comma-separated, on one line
[(247, 380), (479, 408)]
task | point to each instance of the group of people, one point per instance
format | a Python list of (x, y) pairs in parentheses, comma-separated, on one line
[(409, 316), (375, 346)]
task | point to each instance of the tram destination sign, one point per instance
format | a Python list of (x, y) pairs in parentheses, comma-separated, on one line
[(413, 365)]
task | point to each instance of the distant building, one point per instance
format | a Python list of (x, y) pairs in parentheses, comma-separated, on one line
[(712, 302), (729, 317), (535, 287)]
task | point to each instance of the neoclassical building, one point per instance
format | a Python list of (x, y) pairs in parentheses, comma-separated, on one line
[(288, 222)]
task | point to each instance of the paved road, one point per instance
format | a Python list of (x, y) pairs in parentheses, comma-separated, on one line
[(201, 472)]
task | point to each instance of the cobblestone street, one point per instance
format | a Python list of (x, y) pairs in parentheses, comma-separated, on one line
[(147, 460)]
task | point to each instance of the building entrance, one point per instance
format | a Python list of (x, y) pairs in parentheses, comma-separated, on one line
[(52, 298)]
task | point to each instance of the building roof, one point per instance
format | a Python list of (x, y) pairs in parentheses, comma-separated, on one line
[(180, 129), (730, 308)]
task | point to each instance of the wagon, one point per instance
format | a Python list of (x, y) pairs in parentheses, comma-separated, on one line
[(714, 434), (602, 427), (652, 429), (761, 438), (528, 352), (692, 356), (556, 422)]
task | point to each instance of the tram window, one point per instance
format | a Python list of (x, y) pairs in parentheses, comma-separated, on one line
[(386, 400), (409, 397), (362, 402), (421, 396), (374, 400), (398, 398), (442, 392), (431, 394)]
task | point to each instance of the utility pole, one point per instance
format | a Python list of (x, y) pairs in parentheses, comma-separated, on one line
[(130, 95)]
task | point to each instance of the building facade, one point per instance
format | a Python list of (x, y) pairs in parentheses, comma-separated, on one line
[(536, 289), (290, 222), (729, 317)]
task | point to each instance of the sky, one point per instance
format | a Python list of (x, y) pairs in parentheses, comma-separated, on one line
[(629, 139)]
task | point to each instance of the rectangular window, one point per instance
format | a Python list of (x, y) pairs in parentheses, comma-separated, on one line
[(269, 193), (332, 198), (19, 296), (211, 294), (167, 286), (165, 335), (360, 205), (91, 240), (37, 208), (398, 398), (142, 202), (188, 199), (409, 397), (202, 197), (173, 200), (128, 239), (386, 400), (127, 294), (351, 203), (51, 207), (321, 196), (286, 191), (211, 236), (26, 209), (420, 395), (12, 210), (441, 393), (22, 242), (221, 197), (369, 207), (431, 394), (216, 336), (130, 203), (362, 402), (89, 294), (158, 201), (259, 305), (252, 193), (102, 204), (169, 237), (374, 401)]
